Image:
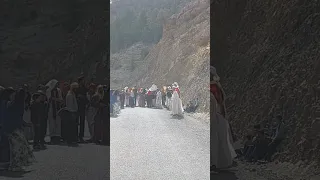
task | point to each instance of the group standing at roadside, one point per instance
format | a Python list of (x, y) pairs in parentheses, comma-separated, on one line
[(153, 97), (56, 109)]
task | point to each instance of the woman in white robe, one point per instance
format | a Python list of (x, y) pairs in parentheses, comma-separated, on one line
[(222, 152), (159, 100), (54, 96), (91, 111), (176, 104)]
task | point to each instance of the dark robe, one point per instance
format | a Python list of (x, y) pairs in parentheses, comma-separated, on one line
[(37, 115), (102, 125), (4, 141), (142, 101), (122, 98)]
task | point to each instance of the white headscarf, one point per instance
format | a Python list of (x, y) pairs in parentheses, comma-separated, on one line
[(175, 85), (213, 72), (153, 88), (51, 84), (216, 80)]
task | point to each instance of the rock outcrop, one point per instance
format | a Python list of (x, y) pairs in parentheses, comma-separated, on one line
[(40, 40), (126, 65), (183, 54), (267, 56)]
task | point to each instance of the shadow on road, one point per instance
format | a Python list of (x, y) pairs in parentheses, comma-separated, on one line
[(177, 117), (224, 175), (10, 174)]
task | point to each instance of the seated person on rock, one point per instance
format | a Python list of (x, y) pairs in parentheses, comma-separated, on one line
[(277, 138), (246, 144), (192, 106), (257, 150), (261, 146)]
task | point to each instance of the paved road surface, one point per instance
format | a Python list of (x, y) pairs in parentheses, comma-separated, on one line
[(86, 162), (147, 144)]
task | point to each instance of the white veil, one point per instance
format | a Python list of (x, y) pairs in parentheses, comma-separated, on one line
[(153, 88), (51, 84)]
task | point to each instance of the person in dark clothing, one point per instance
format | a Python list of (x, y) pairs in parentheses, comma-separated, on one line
[(20, 153), (277, 138), (261, 145), (135, 93), (6, 96), (37, 116), (27, 97), (149, 99), (44, 124), (168, 96), (259, 148), (82, 103), (71, 125), (131, 99), (122, 98), (247, 144), (102, 125), (163, 92)]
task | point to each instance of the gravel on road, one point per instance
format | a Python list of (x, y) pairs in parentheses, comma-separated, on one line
[(148, 144)]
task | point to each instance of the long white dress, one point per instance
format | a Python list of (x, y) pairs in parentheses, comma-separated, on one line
[(176, 104), (54, 123), (222, 152), (159, 100)]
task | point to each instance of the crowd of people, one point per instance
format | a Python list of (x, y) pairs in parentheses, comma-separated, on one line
[(60, 110), (166, 97), (56, 109)]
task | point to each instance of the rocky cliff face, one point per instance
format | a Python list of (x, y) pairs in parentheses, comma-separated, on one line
[(52, 39), (267, 56), (126, 66), (182, 55)]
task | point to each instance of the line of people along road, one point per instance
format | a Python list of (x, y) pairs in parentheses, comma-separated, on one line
[(57, 109), (153, 97)]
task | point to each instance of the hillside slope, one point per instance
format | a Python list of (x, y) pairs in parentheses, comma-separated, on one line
[(267, 55), (126, 65), (183, 53), (51, 39)]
